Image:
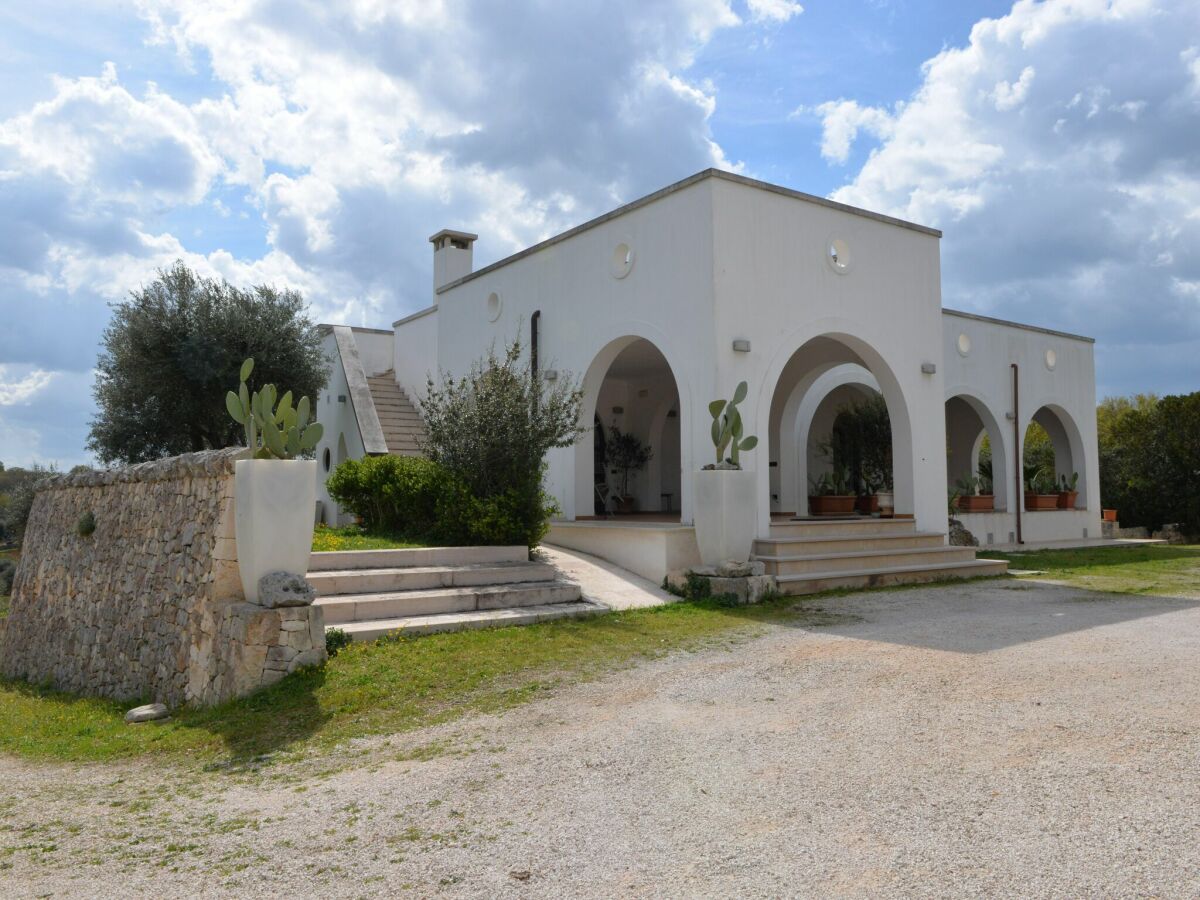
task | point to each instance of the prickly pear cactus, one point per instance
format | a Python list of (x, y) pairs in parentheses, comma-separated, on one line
[(272, 431), (727, 427)]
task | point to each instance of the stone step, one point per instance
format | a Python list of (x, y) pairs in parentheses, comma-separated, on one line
[(368, 607), (813, 582), (865, 525), (862, 559), (800, 546), (415, 556), (420, 578), (491, 618)]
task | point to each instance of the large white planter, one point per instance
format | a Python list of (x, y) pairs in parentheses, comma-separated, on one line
[(724, 511), (273, 517)]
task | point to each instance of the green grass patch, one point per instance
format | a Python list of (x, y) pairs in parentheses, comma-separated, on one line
[(1162, 569), (382, 688), (351, 537)]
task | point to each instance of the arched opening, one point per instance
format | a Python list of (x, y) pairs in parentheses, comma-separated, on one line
[(976, 464), (825, 378), (1052, 461), (633, 466)]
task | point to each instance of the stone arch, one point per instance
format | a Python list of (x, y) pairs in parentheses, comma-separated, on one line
[(969, 417), (861, 350), (593, 382), (1067, 440)]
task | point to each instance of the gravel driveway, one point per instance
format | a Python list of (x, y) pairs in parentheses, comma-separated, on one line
[(991, 739)]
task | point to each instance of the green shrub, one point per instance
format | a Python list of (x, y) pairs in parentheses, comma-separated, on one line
[(393, 494), (336, 640)]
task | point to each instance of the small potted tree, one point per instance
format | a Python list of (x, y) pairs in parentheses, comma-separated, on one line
[(725, 513), (626, 454), (1041, 492), (1067, 493), (274, 493)]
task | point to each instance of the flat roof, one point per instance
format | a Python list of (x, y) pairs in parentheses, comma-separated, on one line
[(326, 326), (678, 186), (1021, 325)]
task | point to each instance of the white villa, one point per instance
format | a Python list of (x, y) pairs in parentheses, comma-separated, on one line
[(670, 301)]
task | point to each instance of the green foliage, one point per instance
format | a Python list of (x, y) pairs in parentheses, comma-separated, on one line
[(861, 444), (272, 432), (490, 431), (20, 486), (1040, 481), (8, 570), (626, 453), (174, 346), (1039, 451), (335, 640), (835, 483), (1150, 459), (86, 526), (727, 427)]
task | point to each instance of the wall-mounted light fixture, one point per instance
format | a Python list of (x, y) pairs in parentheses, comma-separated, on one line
[(928, 368), (741, 345), (550, 374), (1011, 416)]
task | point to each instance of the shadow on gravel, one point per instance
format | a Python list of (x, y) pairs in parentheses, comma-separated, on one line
[(981, 616)]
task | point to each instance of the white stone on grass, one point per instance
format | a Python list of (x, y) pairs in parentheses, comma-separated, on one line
[(147, 713)]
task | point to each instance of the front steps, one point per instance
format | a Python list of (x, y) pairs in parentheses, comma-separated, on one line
[(811, 555), (371, 593)]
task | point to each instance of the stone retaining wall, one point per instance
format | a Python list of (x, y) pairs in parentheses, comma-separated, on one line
[(150, 604)]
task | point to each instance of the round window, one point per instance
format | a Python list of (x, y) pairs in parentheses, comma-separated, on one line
[(622, 260), (1051, 359), (494, 305), (964, 345), (838, 254), (325, 459)]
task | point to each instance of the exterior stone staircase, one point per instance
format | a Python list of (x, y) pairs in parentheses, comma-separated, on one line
[(370, 593), (402, 426), (810, 555)]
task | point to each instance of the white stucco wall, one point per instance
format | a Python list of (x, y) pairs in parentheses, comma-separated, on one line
[(984, 373), (415, 353), (340, 428), (374, 349)]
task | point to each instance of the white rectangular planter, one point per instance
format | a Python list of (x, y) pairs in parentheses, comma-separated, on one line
[(273, 517), (725, 514)]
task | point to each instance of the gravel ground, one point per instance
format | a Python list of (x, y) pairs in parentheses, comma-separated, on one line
[(990, 739)]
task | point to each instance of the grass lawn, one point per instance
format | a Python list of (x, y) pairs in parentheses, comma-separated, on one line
[(351, 537), (1165, 569), (382, 688)]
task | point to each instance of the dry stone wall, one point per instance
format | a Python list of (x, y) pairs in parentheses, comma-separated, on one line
[(149, 603)]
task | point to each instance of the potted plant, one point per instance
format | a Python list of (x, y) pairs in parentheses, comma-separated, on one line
[(831, 494), (1041, 492), (1067, 492), (274, 493), (626, 454), (725, 511), (1110, 515), (973, 495)]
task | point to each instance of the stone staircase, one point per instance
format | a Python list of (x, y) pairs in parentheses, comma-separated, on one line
[(810, 555), (370, 593), (402, 426)]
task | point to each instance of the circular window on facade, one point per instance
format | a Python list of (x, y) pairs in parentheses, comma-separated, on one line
[(494, 305), (838, 255), (622, 260), (964, 344), (325, 459), (1051, 359)]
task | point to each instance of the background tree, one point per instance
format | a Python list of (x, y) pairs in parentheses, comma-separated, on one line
[(174, 347)]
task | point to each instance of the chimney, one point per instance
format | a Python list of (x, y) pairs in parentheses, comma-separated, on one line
[(451, 257)]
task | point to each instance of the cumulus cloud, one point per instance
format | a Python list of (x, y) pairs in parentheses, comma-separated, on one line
[(1057, 151), (773, 10), (21, 389)]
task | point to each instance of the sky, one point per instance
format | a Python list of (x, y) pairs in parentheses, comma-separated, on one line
[(317, 145)]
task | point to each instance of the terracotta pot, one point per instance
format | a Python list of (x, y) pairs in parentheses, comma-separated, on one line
[(976, 503), (626, 505), (1039, 502), (1110, 515), (1066, 499), (832, 505), (868, 504)]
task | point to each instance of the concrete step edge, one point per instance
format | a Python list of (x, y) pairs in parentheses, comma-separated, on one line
[(492, 618), (856, 554), (989, 564)]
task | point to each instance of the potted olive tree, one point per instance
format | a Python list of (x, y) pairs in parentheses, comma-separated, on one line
[(725, 513), (274, 492), (626, 454)]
